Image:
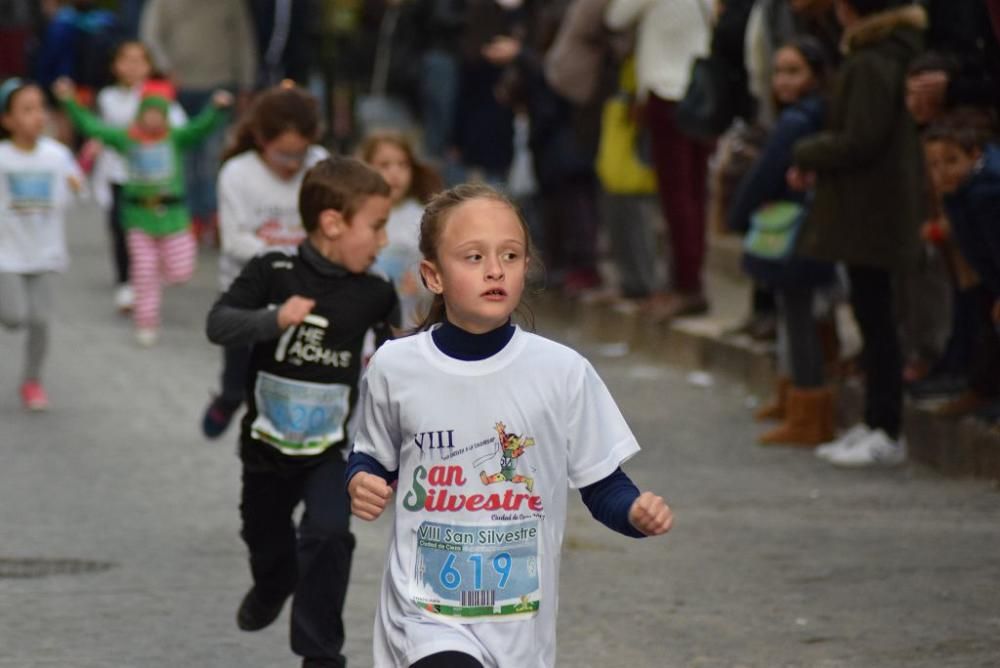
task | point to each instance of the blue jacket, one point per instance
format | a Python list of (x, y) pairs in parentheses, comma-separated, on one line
[(765, 182), (974, 213)]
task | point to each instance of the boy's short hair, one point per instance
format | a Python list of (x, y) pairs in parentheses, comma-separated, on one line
[(970, 128), (338, 183)]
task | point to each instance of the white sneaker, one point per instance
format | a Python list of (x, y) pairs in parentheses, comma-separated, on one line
[(876, 449), (124, 298), (146, 337), (845, 442)]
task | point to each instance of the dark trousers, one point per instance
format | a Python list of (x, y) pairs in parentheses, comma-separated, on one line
[(235, 365), (882, 358), (682, 176), (984, 376), (571, 225), (314, 563), (805, 352), (119, 248), (448, 660)]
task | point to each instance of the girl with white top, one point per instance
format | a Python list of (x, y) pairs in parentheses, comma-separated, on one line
[(258, 190), (412, 184), (117, 105), (483, 425), (37, 178)]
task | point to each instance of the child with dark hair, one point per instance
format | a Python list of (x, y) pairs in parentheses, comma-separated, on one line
[(804, 403), (867, 209), (965, 167), (37, 178), (306, 314), (258, 189)]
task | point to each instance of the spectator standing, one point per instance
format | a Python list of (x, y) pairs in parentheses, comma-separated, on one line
[(202, 46), (868, 205), (671, 34)]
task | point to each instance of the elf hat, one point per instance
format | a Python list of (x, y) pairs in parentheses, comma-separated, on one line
[(156, 94)]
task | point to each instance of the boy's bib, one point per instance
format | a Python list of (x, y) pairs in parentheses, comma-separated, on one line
[(151, 163), (476, 572), (298, 417)]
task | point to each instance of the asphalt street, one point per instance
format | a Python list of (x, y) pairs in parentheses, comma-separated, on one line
[(776, 559)]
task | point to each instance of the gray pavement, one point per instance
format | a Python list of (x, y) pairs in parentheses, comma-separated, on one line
[(776, 560)]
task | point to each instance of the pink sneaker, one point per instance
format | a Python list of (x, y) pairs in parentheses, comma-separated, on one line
[(33, 396)]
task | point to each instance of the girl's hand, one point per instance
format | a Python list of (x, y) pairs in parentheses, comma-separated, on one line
[(294, 311), (369, 495), (222, 99), (502, 50), (64, 88), (650, 514)]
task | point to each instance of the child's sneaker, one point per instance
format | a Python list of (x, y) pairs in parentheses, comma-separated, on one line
[(217, 416), (876, 449), (124, 298), (147, 336), (33, 396), (845, 442)]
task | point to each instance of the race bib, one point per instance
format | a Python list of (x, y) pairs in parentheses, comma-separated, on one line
[(299, 418), (30, 191), (477, 573), (151, 163)]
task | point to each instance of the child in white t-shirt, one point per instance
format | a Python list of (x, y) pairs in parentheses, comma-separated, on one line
[(258, 188), (483, 425), (37, 178), (413, 184), (117, 106)]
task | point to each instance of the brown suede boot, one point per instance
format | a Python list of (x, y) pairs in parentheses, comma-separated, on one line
[(776, 409), (809, 420)]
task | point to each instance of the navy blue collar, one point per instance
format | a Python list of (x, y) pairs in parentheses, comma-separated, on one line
[(459, 344)]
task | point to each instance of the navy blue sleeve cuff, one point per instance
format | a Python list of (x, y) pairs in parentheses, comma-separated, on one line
[(609, 501), (358, 462)]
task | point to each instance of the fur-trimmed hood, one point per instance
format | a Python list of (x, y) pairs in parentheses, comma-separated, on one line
[(879, 26)]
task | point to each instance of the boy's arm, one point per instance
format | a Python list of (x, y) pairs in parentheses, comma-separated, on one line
[(616, 503), (92, 126), (205, 123), (241, 314), (874, 105)]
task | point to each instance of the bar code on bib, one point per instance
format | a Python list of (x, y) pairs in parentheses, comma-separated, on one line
[(479, 598)]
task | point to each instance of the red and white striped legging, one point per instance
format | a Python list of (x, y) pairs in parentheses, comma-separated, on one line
[(175, 254)]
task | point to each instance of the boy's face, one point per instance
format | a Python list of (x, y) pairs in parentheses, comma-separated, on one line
[(26, 117), (357, 241), (950, 165), (153, 120)]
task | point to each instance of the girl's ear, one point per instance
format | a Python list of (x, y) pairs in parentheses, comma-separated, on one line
[(331, 223), (431, 277)]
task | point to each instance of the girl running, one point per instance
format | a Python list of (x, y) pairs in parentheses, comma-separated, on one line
[(483, 425), (258, 188), (37, 177), (412, 184), (117, 105)]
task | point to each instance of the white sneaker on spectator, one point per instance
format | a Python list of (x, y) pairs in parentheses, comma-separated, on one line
[(124, 298), (876, 449), (844, 442)]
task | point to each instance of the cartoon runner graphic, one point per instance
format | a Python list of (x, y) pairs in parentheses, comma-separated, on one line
[(512, 447)]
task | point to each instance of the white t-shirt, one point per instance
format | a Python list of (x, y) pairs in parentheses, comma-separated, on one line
[(484, 451), (257, 210), (118, 106), (34, 193), (399, 261)]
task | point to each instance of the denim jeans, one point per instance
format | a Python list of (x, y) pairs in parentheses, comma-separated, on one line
[(439, 93), (201, 163)]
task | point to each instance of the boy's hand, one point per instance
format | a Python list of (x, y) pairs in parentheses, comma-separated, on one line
[(222, 99), (294, 311), (369, 495), (650, 514), (64, 89)]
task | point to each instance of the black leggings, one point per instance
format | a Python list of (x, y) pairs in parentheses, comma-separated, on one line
[(448, 660)]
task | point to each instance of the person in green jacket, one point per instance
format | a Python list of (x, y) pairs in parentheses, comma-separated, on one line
[(867, 166), (154, 213)]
